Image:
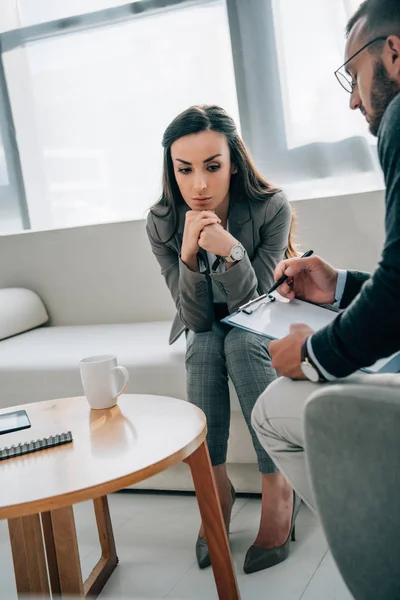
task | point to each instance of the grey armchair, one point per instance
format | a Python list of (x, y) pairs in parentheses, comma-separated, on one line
[(352, 436)]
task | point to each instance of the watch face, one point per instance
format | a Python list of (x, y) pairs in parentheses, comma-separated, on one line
[(310, 372), (237, 252)]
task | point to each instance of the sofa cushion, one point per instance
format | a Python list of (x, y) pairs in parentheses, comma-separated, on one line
[(44, 363), (20, 310)]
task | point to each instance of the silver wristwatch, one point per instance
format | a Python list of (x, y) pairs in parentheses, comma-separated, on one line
[(236, 253), (308, 368)]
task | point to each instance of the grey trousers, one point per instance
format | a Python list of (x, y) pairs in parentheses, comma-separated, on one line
[(211, 357), (278, 421)]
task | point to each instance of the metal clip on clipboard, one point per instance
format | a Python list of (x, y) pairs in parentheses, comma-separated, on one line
[(253, 305), (268, 298)]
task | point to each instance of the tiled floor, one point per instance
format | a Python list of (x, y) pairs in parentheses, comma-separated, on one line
[(155, 536)]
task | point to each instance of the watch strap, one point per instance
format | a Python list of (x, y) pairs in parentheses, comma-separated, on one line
[(305, 357), (304, 352)]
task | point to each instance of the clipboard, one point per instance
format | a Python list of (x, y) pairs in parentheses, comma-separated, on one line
[(272, 316)]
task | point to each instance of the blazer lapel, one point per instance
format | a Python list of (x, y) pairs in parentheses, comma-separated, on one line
[(241, 225)]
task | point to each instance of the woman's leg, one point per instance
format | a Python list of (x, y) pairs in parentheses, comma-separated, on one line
[(207, 388), (249, 366)]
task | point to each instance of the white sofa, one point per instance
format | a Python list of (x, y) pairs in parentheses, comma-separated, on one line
[(104, 293)]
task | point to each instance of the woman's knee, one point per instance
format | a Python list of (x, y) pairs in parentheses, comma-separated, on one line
[(207, 346), (244, 346)]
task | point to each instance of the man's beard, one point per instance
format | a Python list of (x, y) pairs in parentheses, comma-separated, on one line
[(383, 91)]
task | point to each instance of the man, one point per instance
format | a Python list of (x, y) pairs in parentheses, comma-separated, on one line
[(363, 332)]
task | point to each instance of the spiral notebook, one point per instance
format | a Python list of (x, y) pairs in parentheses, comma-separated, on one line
[(272, 318), (34, 446)]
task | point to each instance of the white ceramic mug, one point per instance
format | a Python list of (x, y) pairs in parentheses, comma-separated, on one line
[(99, 378)]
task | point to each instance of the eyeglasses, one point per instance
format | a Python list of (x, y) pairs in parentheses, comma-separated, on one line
[(343, 78)]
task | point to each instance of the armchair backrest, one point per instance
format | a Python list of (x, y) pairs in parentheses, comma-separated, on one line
[(353, 450)]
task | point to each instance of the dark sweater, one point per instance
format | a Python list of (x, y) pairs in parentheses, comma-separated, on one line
[(369, 328)]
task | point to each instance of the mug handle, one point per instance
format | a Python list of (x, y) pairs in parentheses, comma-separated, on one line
[(125, 374)]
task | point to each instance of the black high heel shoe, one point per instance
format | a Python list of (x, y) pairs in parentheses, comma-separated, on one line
[(258, 558), (202, 555)]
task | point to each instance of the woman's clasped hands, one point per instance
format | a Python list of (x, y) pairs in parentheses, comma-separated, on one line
[(203, 229)]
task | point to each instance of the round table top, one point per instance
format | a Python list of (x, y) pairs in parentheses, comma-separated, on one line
[(113, 448)]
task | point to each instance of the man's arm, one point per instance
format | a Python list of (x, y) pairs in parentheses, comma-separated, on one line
[(370, 327), (352, 287)]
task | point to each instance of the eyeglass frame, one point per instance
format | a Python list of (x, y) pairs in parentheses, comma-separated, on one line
[(380, 38)]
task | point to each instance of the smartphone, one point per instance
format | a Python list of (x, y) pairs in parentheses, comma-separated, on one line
[(14, 421)]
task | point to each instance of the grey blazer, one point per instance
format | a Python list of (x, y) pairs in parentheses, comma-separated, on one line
[(261, 227)]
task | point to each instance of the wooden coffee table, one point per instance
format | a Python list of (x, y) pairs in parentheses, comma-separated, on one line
[(113, 448)]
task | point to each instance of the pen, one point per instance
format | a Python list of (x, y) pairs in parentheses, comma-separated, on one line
[(275, 286), (284, 277)]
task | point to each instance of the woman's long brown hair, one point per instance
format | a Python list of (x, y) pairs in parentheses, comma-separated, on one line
[(248, 182)]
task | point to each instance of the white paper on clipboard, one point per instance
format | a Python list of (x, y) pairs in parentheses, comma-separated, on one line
[(273, 319)]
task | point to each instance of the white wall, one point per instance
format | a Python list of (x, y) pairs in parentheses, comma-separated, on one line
[(348, 231), (106, 273), (86, 275)]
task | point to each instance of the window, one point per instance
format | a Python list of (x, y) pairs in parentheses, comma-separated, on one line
[(315, 107), (318, 125), (90, 93), (101, 99), (295, 117)]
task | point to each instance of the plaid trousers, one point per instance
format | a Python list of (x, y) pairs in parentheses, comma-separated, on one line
[(211, 357)]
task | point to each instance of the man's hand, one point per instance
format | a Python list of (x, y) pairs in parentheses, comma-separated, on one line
[(286, 353), (215, 239), (310, 278)]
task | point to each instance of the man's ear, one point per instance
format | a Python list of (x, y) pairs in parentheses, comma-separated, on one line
[(233, 170), (393, 56)]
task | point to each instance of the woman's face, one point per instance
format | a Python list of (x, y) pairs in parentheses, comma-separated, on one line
[(203, 169)]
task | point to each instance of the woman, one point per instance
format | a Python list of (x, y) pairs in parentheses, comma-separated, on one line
[(217, 232)]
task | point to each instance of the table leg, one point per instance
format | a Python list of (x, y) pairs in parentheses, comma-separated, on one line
[(63, 555), (214, 527), (109, 559), (60, 536), (28, 556), (51, 555)]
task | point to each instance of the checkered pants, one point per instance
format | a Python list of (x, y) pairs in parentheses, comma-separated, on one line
[(211, 357)]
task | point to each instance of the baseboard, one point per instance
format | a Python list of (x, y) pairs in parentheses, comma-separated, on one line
[(246, 478)]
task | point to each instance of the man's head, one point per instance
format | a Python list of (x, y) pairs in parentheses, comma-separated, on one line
[(375, 70)]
